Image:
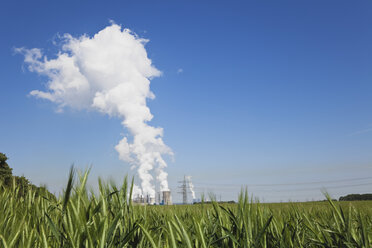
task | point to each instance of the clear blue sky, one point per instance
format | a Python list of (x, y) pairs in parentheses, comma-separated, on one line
[(271, 92)]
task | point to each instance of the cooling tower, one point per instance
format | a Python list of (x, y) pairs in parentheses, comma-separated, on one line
[(167, 198)]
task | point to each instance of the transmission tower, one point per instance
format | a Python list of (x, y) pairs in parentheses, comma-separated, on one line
[(184, 186)]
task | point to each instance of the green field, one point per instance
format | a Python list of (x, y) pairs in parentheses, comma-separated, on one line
[(80, 218)]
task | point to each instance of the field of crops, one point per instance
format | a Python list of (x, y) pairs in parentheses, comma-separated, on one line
[(80, 218)]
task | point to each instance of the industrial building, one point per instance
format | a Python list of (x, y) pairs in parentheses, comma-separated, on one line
[(165, 200)]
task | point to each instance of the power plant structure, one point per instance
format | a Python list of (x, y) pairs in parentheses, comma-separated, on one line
[(140, 199), (166, 199)]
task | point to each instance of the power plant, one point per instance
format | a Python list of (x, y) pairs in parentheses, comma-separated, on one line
[(166, 199)]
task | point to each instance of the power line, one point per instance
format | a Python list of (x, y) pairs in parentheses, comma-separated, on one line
[(285, 184), (294, 190), (329, 187)]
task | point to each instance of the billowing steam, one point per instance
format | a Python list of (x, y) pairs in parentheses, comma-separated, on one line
[(109, 72), (191, 186)]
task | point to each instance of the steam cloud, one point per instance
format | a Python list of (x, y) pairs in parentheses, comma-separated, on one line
[(191, 186), (109, 72)]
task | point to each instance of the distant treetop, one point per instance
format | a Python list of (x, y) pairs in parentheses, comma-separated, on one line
[(5, 171)]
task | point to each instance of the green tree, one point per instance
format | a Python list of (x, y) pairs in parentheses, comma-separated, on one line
[(6, 176), (23, 185)]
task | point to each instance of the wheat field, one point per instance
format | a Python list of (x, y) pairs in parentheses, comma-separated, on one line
[(82, 218)]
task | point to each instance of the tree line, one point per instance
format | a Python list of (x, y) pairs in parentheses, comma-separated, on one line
[(22, 184), (356, 197)]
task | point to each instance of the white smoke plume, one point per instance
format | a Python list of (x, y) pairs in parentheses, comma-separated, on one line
[(191, 186), (109, 72)]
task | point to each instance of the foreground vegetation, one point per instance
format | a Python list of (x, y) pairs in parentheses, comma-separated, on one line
[(80, 218)]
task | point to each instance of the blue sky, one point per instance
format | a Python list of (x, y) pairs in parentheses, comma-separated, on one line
[(271, 92)]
